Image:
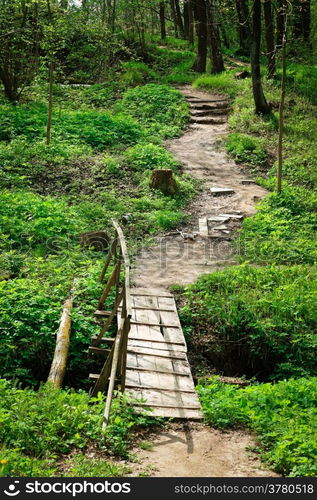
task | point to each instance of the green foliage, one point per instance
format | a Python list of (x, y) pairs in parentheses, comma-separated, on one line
[(81, 466), (283, 230), (99, 130), (13, 463), (96, 129), (255, 321), (149, 156), (175, 66), (48, 420), (39, 425), (223, 83), (283, 415), (246, 149), (137, 73), (160, 108), (302, 79), (29, 220)]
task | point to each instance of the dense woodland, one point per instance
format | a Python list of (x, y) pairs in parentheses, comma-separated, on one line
[(88, 98)]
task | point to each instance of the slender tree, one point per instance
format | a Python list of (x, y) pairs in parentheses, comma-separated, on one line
[(254, 30), (162, 20), (243, 29), (201, 22), (191, 22), (20, 34), (174, 16), (217, 64), (302, 19), (186, 19), (269, 35), (50, 84), (179, 19), (282, 101), (280, 22)]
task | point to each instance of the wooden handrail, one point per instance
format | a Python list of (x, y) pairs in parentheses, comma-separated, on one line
[(114, 367)]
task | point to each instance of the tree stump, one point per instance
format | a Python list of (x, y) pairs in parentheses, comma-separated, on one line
[(163, 180)]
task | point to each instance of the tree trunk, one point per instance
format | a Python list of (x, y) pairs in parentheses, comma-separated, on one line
[(201, 20), (306, 20), (162, 20), (243, 29), (302, 19), (269, 35), (163, 180), (280, 22), (281, 109), (174, 17), (191, 22), (58, 366), (50, 104), (217, 65), (261, 105), (186, 19), (179, 19), (113, 20), (9, 84)]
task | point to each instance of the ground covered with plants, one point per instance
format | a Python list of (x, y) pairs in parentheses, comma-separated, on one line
[(87, 98), (106, 139), (257, 319)]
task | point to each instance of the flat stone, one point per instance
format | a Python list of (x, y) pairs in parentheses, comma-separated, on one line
[(218, 218), (220, 228), (248, 181), (234, 216), (203, 226), (218, 191)]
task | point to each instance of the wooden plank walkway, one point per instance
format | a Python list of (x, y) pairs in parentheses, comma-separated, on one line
[(158, 372)]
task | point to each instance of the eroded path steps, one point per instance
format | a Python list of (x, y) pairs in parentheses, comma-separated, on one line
[(158, 372)]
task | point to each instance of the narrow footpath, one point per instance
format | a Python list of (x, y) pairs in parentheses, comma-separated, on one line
[(203, 246)]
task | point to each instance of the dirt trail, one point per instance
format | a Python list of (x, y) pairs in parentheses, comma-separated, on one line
[(181, 258), (195, 450), (190, 449)]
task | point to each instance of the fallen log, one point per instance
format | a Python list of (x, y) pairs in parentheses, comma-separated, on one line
[(59, 362)]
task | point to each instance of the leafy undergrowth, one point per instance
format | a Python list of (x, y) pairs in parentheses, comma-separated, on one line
[(39, 429), (283, 415), (255, 321), (284, 230), (97, 168), (258, 319)]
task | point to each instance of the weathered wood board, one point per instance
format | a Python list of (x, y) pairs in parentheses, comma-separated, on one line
[(158, 372)]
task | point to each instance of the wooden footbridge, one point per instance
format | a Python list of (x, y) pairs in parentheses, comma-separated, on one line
[(146, 354)]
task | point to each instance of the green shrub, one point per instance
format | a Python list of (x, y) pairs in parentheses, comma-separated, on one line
[(246, 149), (45, 424), (137, 73), (13, 463), (255, 321), (302, 79), (81, 466), (29, 220), (27, 120), (223, 83), (283, 415), (99, 130), (149, 156), (159, 108), (283, 230), (300, 169)]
